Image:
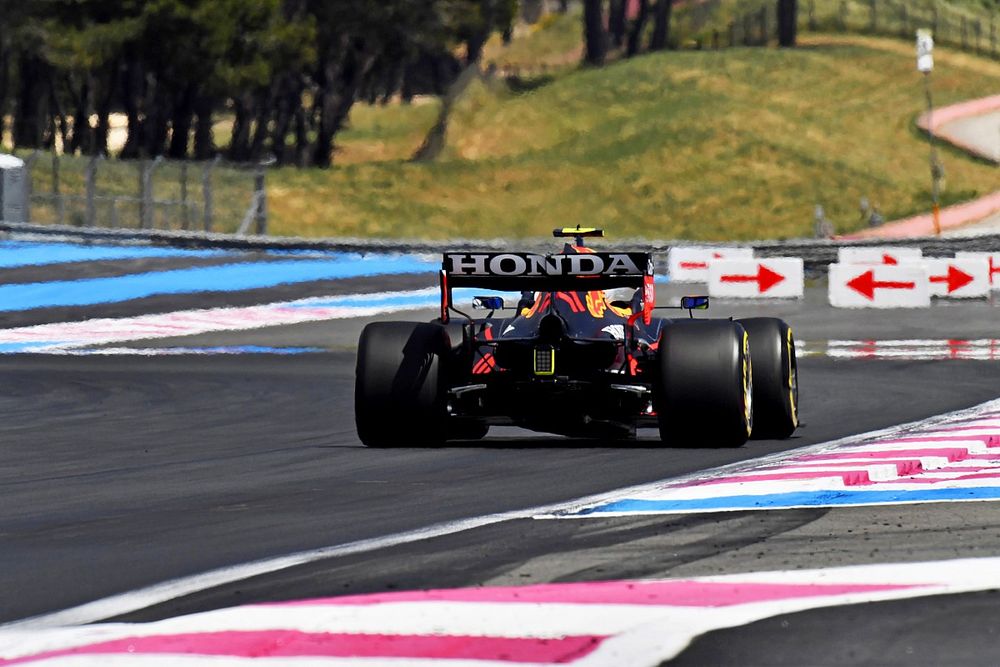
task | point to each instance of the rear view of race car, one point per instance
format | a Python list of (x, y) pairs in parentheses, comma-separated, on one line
[(581, 354)]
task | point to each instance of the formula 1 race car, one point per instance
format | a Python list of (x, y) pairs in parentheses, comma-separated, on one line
[(580, 355)]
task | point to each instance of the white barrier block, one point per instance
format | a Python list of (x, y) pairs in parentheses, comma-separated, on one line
[(967, 278), (13, 190), (770, 278), (992, 261), (879, 286), (878, 255), (689, 264)]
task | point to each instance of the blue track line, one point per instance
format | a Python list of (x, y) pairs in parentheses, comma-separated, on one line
[(797, 499), (225, 278), (15, 254)]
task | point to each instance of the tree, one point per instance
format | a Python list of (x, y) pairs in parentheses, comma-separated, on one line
[(616, 21), (593, 31), (787, 22), (82, 44), (638, 27), (478, 28), (289, 70), (6, 56), (661, 25)]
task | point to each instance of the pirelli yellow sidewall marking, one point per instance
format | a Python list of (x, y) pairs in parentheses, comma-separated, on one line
[(747, 385), (790, 346)]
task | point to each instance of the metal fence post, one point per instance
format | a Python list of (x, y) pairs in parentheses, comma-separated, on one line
[(28, 184), (260, 192), (965, 35), (977, 28), (873, 20), (60, 203), (206, 188), (993, 36), (91, 187), (842, 16), (812, 15), (904, 19), (142, 191), (260, 196), (147, 201), (185, 217)]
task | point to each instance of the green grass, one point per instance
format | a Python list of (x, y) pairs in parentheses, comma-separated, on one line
[(554, 42), (736, 144), (385, 132)]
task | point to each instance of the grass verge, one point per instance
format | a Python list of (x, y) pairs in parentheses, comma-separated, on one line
[(736, 144)]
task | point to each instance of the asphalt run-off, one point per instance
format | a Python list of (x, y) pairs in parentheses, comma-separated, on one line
[(181, 474)]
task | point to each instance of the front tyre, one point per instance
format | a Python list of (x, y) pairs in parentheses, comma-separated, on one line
[(398, 392), (704, 396), (775, 377)]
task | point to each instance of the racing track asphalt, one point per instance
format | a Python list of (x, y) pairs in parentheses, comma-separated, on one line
[(120, 472)]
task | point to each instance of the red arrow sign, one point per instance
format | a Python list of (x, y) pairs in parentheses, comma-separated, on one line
[(865, 284), (956, 279), (889, 259), (765, 278)]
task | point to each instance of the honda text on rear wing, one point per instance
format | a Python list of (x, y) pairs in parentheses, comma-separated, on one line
[(518, 271)]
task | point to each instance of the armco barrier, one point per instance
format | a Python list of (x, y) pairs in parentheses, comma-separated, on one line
[(816, 254)]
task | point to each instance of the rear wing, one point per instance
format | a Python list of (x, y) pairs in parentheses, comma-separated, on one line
[(518, 271)]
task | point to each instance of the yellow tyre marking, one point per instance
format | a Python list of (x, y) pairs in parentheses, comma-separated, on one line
[(790, 343), (747, 385)]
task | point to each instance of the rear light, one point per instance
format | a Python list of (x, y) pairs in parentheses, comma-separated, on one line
[(545, 360)]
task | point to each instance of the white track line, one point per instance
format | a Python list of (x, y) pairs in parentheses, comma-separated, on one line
[(143, 598)]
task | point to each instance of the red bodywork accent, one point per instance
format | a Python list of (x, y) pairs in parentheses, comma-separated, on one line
[(445, 296), (486, 362), (648, 299), (572, 299), (485, 365)]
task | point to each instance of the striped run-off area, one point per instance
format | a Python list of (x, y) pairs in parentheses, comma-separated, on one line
[(951, 458), (983, 349), (610, 623), (63, 335), (59, 337), (42, 285)]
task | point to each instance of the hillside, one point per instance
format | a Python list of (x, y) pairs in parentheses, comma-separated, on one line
[(740, 143)]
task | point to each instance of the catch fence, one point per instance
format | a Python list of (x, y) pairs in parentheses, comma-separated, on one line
[(153, 194), (966, 28)]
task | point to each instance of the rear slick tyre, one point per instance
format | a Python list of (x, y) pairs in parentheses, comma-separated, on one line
[(398, 392), (775, 378), (704, 396)]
